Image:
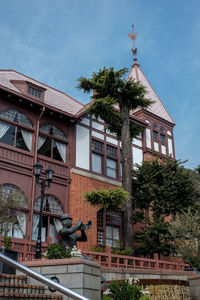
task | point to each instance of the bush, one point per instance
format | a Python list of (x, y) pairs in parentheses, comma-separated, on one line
[(126, 290), (7, 241), (96, 248), (56, 251), (123, 290), (195, 261), (127, 251), (108, 199)]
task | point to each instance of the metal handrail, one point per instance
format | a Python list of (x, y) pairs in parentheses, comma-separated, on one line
[(45, 280)]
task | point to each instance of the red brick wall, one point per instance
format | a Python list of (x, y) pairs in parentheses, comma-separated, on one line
[(80, 209)]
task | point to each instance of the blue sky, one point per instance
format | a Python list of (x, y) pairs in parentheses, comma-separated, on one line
[(57, 41)]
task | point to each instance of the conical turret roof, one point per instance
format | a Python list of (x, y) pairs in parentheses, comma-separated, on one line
[(157, 108)]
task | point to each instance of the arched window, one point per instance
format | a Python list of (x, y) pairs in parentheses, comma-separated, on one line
[(52, 211), (13, 208), (52, 142), (14, 129), (109, 227)]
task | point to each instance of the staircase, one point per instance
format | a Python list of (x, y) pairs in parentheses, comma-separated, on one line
[(15, 287)]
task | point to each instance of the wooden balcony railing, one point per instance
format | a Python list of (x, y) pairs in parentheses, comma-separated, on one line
[(26, 249), (26, 252), (110, 260)]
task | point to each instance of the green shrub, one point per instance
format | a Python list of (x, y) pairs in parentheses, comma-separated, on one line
[(195, 261), (123, 291), (96, 248), (126, 290), (7, 241), (127, 251), (108, 199), (56, 251)]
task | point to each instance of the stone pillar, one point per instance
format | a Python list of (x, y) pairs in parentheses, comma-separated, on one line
[(78, 274)]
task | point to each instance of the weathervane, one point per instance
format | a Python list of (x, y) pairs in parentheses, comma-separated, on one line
[(133, 37)]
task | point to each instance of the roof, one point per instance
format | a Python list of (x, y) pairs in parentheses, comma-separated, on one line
[(157, 108), (52, 97), (65, 103)]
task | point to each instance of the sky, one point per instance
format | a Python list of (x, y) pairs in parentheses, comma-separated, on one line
[(57, 41)]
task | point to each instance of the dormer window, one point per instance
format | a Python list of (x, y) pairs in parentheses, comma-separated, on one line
[(30, 89), (34, 92)]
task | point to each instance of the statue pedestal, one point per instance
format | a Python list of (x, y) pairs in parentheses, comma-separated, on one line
[(78, 274)]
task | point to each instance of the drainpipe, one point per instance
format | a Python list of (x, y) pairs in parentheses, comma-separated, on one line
[(33, 177)]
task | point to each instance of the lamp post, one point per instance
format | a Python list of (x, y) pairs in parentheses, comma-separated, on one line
[(49, 176)]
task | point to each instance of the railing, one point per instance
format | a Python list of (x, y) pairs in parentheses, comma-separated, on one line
[(109, 260), (26, 249), (43, 279)]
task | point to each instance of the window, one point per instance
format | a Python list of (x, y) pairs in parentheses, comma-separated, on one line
[(155, 135), (162, 138), (97, 155), (162, 129), (52, 211), (104, 163), (120, 165), (111, 164), (13, 131), (52, 142), (111, 151), (17, 226), (109, 224), (97, 146), (34, 92), (111, 168)]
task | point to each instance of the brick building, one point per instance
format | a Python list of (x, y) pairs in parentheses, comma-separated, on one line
[(38, 122)]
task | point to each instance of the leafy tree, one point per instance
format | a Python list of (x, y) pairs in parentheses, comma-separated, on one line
[(10, 204), (155, 237), (114, 98), (185, 230), (161, 189)]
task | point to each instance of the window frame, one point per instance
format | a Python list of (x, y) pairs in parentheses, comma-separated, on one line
[(106, 155), (103, 213), (46, 214), (99, 153), (53, 138), (17, 126), (31, 90), (162, 129)]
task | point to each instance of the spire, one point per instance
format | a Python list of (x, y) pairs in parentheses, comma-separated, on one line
[(134, 50)]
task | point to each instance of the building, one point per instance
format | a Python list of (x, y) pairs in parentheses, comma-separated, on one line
[(38, 122)]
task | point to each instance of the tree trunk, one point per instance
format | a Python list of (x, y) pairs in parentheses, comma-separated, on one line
[(127, 177)]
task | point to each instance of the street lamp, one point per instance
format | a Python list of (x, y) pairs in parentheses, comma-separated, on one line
[(49, 176)]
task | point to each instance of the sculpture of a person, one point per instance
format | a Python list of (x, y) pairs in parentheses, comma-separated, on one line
[(67, 234)]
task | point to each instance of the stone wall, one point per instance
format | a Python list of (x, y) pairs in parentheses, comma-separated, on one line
[(80, 275), (194, 282), (123, 274)]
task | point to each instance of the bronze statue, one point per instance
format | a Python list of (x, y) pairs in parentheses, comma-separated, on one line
[(67, 234)]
